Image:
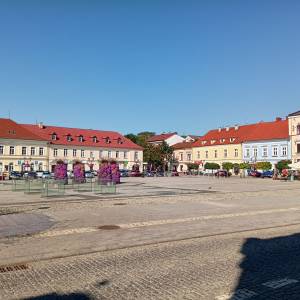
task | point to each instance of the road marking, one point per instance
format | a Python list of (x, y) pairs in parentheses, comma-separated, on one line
[(241, 294), (53, 233), (276, 284)]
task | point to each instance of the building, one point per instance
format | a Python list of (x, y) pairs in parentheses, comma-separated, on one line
[(294, 132), (221, 145), (268, 141), (39, 147), (170, 138), (183, 154)]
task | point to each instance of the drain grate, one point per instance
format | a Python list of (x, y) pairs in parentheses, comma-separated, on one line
[(13, 268), (120, 203), (109, 227), (44, 207)]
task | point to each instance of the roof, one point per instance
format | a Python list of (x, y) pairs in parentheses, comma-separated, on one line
[(183, 145), (297, 113), (161, 137), (9, 129), (269, 131), (238, 134), (91, 138)]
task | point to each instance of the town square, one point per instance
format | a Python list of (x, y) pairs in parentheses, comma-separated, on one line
[(149, 150)]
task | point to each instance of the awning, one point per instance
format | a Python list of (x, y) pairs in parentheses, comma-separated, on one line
[(295, 166)]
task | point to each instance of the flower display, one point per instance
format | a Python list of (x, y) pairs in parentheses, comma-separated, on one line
[(79, 173), (60, 171), (109, 172)]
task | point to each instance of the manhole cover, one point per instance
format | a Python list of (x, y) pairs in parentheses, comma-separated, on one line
[(109, 227), (120, 203), (13, 268)]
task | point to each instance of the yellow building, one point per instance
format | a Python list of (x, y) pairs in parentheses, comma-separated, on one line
[(294, 132), (183, 154)]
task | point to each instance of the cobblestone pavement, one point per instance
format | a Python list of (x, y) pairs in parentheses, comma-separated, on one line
[(235, 244), (254, 265)]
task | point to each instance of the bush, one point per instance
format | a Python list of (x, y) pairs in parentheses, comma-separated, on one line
[(263, 165), (283, 164), (227, 166), (212, 166)]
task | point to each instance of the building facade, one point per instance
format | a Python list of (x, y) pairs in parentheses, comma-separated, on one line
[(294, 132), (183, 154), (269, 142), (170, 138), (39, 147)]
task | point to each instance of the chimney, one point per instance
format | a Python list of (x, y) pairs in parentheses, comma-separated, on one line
[(236, 127), (41, 125), (219, 129), (227, 128), (278, 119)]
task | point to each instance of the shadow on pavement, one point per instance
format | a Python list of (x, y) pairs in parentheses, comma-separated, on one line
[(55, 296), (270, 269)]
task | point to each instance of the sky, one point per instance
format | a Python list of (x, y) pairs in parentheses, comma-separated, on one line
[(155, 65)]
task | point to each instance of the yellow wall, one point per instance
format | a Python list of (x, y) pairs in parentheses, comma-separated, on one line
[(293, 122)]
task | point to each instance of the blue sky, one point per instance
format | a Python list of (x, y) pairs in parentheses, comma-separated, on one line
[(157, 65)]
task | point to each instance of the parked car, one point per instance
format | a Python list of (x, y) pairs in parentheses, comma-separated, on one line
[(15, 175), (267, 174), (30, 175), (46, 175), (136, 174), (124, 173), (89, 174), (39, 174), (223, 173), (254, 173)]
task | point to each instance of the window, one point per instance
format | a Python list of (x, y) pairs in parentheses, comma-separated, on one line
[(107, 140), (55, 152), (298, 148), (41, 151), (125, 154), (82, 153), (80, 138), (91, 154), (265, 151), (32, 151), (136, 155), (65, 152), (24, 150), (69, 138), (12, 150), (117, 154), (54, 137), (216, 153), (275, 151), (101, 153), (206, 154), (120, 141), (225, 153), (198, 154), (236, 152), (181, 156), (1, 150), (74, 152), (189, 156), (298, 129), (109, 154), (247, 152), (95, 139), (284, 151), (255, 152)]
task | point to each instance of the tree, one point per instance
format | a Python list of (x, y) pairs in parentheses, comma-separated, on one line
[(211, 166), (166, 153), (152, 155), (244, 166), (192, 166), (283, 164), (227, 166), (263, 165), (131, 137)]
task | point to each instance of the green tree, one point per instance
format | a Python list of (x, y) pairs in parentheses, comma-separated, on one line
[(211, 166), (227, 166), (152, 154), (244, 166), (283, 164), (131, 137), (166, 153), (192, 166), (263, 165)]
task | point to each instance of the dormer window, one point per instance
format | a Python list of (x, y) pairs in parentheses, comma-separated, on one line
[(95, 140), (222, 140), (54, 136), (107, 140), (69, 138), (120, 141), (232, 140), (212, 141), (204, 142), (80, 138)]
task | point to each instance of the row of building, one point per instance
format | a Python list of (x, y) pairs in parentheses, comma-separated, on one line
[(264, 141), (38, 147)]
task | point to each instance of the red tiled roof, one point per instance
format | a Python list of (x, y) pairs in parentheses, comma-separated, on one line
[(183, 145), (116, 139), (161, 137), (9, 129), (239, 134), (278, 129)]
